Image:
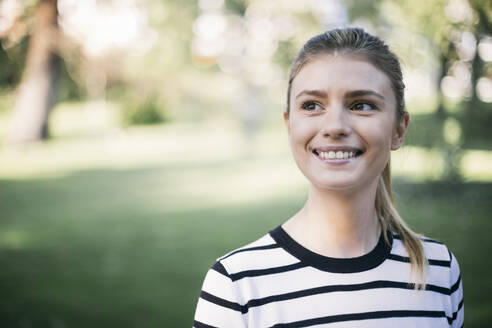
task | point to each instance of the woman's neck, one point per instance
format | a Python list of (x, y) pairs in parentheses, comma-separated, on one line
[(337, 224)]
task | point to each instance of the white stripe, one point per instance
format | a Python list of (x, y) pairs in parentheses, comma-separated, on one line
[(432, 250), (219, 285), (262, 259), (436, 251), (392, 323), (263, 241)]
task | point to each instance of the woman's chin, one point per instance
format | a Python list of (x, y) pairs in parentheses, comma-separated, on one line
[(334, 185), (341, 182)]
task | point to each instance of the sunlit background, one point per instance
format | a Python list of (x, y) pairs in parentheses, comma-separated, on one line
[(142, 139)]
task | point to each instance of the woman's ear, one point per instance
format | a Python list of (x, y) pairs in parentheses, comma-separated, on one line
[(400, 130), (286, 121)]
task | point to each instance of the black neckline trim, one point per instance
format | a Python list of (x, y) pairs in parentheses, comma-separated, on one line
[(331, 264)]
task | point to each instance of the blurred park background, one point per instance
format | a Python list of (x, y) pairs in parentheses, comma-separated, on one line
[(142, 139)]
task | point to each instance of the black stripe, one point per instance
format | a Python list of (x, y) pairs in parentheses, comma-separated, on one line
[(264, 272), (315, 291), (427, 240), (406, 259), (321, 290), (340, 288), (222, 302), (432, 241), (337, 265), (460, 305), (362, 316), (256, 248), (198, 324), (438, 289), (440, 263), (220, 268), (456, 285), (455, 314)]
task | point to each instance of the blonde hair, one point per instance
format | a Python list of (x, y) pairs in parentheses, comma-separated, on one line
[(356, 42)]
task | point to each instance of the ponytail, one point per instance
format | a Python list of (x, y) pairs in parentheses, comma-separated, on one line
[(391, 221)]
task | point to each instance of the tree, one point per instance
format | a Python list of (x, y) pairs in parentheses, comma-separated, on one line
[(36, 90)]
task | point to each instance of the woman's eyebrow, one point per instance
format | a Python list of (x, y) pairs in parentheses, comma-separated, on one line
[(350, 94), (358, 93), (317, 93)]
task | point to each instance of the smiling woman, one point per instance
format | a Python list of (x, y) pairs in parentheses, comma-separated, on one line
[(331, 117), (346, 258)]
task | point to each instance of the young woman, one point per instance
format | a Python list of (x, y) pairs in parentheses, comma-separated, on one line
[(346, 259)]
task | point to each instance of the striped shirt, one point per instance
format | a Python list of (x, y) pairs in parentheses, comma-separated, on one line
[(276, 282)]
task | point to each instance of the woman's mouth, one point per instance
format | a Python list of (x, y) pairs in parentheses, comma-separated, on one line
[(338, 154)]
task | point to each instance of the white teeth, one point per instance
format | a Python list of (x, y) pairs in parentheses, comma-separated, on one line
[(336, 155)]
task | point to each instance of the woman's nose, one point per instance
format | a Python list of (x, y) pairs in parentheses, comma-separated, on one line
[(335, 122)]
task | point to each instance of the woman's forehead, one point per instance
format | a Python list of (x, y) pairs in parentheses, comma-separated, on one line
[(339, 74)]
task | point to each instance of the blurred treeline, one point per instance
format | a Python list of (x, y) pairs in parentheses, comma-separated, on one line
[(195, 60)]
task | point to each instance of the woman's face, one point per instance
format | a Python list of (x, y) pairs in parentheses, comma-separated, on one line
[(342, 122)]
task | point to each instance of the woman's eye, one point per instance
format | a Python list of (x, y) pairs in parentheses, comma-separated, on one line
[(310, 106), (362, 106)]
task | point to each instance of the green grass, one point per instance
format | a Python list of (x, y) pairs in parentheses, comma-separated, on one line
[(122, 248), (101, 248)]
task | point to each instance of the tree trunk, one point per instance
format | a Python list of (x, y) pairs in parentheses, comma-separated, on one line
[(36, 89)]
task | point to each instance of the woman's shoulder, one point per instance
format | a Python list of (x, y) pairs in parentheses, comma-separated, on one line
[(262, 243), (261, 254), (435, 251)]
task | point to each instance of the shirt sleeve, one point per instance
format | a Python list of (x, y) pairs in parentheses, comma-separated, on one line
[(456, 294), (219, 304)]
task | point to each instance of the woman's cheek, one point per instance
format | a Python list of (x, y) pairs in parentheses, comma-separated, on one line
[(302, 132), (301, 135)]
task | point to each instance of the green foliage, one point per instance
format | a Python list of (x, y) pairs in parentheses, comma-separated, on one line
[(286, 53), (425, 130), (236, 6), (12, 63), (67, 89), (367, 9), (138, 112), (484, 12), (432, 20), (476, 127), (426, 17), (6, 100)]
